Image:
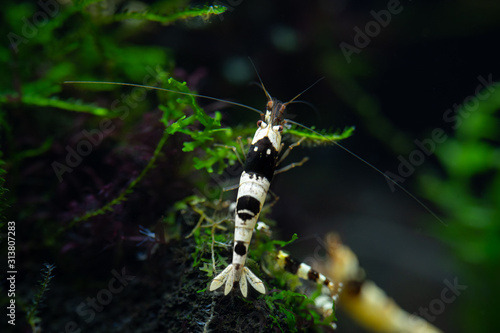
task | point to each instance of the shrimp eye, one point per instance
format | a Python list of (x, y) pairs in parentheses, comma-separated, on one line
[(278, 128), (259, 123), (269, 105)]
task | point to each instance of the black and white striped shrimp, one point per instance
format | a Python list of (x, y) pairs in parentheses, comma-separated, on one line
[(254, 184), (259, 169), (255, 181), (306, 272)]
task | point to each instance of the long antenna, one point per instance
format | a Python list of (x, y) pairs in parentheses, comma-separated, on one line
[(269, 96), (260, 80), (261, 113), (167, 90), (374, 168), (293, 99)]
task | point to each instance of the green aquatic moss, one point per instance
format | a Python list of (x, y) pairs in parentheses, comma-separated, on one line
[(33, 309), (87, 211)]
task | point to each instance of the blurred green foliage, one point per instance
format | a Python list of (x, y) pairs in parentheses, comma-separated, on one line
[(77, 40), (468, 193)]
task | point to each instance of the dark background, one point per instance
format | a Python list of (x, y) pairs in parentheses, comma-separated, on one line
[(426, 60), (396, 90)]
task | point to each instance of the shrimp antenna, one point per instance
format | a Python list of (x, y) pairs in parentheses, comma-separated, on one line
[(374, 168), (167, 90), (293, 99), (260, 80), (269, 96)]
